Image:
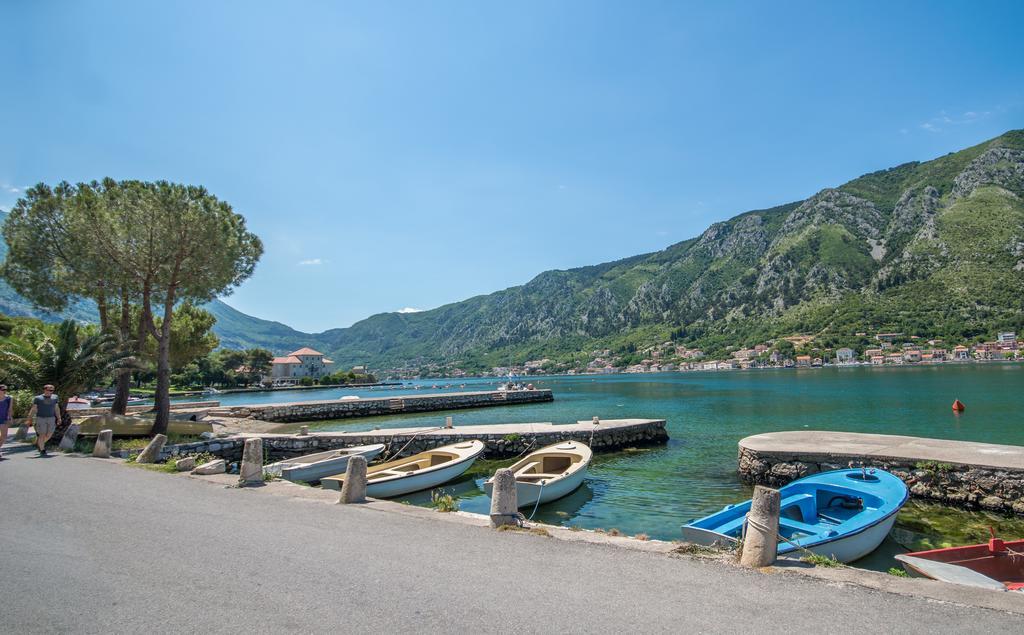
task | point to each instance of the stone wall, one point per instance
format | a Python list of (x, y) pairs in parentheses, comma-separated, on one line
[(337, 409), (966, 486), (498, 446), (88, 412)]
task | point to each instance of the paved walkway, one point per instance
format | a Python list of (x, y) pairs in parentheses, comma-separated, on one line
[(96, 546), (812, 443)]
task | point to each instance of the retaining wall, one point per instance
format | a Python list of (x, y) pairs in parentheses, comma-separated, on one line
[(961, 485)]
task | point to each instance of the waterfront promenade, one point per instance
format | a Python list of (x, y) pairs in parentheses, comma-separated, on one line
[(157, 552)]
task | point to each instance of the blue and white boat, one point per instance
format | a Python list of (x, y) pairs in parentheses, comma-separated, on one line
[(843, 514)]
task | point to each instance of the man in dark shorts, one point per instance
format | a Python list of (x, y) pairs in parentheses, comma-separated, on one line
[(6, 408), (43, 414)]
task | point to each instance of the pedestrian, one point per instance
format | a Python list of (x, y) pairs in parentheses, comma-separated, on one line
[(6, 408), (43, 414)]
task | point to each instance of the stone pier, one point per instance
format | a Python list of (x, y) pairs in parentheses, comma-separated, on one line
[(503, 440), (345, 408), (960, 473)]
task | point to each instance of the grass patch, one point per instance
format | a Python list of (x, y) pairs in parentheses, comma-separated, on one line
[(442, 501), (898, 572), (693, 549), (932, 466), (515, 436), (536, 531), (575, 528), (821, 561)]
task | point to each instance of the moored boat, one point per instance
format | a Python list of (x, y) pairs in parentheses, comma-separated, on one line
[(842, 514), (313, 467), (997, 565), (128, 426), (417, 472), (548, 473)]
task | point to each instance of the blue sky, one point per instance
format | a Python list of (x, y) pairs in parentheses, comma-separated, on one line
[(410, 154)]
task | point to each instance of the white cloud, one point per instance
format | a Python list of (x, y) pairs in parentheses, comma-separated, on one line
[(943, 120), (409, 309), (312, 262)]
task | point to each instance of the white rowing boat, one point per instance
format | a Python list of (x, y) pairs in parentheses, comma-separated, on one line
[(549, 473), (417, 472), (313, 467)]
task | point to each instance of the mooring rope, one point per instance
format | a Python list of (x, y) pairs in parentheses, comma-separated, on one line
[(392, 456), (766, 530), (537, 504)]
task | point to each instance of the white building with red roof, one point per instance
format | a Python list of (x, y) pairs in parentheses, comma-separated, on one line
[(304, 362)]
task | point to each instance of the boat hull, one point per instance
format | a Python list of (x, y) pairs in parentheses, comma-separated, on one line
[(417, 482), (398, 484), (848, 548), (528, 493), (328, 467)]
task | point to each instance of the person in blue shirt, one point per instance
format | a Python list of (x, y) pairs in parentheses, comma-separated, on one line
[(6, 408), (44, 414)]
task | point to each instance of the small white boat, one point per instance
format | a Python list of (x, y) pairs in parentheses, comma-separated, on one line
[(549, 473), (417, 472), (313, 467)]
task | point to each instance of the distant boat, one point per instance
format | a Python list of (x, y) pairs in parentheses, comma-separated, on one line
[(417, 472), (77, 403), (997, 565), (313, 467), (843, 514), (549, 473)]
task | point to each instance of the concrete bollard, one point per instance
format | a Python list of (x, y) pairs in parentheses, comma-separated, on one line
[(448, 423), (761, 542), (353, 488), (103, 442), (22, 432), (152, 452), (303, 431), (250, 471), (504, 503), (70, 437)]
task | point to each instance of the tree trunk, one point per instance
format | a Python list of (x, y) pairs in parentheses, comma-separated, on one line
[(124, 375), (163, 368)]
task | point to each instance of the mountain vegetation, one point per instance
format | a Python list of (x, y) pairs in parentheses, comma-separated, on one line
[(931, 248)]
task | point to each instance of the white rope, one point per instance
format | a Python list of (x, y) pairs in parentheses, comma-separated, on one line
[(537, 504), (392, 456)]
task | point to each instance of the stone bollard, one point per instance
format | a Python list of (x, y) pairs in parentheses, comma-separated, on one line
[(250, 471), (303, 431), (504, 504), (152, 452), (103, 441), (70, 437), (761, 542), (353, 488), (22, 433), (186, 464), (448, 423)]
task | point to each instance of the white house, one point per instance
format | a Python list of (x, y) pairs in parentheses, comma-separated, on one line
[(845, 355), (304, 362)]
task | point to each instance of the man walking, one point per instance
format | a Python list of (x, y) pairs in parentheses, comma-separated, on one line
[(44, 412), (5, 416)]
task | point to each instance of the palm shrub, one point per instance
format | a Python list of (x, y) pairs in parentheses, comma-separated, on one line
[(72, 360)]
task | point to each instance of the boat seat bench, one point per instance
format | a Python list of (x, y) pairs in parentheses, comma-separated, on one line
[(799, 500)]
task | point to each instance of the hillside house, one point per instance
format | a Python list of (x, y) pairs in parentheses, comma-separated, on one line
[(845, 355), (803, 361), (961, 353)]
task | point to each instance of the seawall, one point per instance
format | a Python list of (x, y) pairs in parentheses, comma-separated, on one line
[(959, 473), (343, 409), (501, 440)]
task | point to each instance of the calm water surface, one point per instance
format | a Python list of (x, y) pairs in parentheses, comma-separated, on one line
[(655, 490)]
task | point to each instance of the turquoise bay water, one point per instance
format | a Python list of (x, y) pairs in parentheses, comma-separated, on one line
[(655, 490)]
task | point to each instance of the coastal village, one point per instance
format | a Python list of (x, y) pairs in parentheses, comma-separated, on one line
[(798, 351)]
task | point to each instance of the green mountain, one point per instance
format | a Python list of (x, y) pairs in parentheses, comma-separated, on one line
[(933, 249)]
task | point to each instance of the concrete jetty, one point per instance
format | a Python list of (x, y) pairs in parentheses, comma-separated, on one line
[(500, 440), (373, 406), (961, 473)]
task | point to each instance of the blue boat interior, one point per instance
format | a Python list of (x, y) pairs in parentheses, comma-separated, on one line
[(815, 509)]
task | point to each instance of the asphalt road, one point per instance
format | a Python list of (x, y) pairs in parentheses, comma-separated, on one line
[(94, 546)]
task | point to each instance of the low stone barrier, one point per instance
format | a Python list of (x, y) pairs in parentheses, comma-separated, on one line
[(184, 405), (343, 409), (930, 475), (614, 436)]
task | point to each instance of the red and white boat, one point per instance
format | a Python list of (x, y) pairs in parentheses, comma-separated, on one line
[(997, 565)]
